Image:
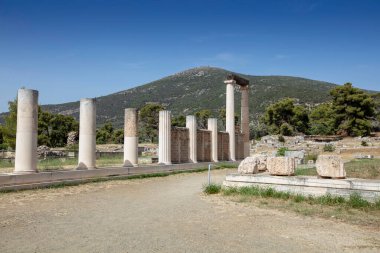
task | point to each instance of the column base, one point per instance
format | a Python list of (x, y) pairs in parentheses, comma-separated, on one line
[(25, 172), (162, 163)]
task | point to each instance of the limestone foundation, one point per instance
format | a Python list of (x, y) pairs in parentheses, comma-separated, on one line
[(87, 134), (26, 135), (230, 116), (281, 166), (212, 125), (164, 138), (130, 137), (330, 166), (245, 118), (191, 124)]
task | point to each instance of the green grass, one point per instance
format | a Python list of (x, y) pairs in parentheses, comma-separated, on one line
[(126, 177), (212, 188), (306, 171), (358, 168), (6, 163), (363, 168), (354, 201)]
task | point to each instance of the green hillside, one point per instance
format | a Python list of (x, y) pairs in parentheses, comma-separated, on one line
[(201, 88)]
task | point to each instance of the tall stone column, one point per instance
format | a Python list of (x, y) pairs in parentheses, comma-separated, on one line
[(87, 134), (245, 118), (212, 125), (164, 138), (130, 137), (26, 135), (191, 124), (230, 116)]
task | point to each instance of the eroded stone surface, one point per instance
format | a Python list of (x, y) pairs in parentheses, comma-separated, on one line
[(253, 164), (330, 166), (281, 166)]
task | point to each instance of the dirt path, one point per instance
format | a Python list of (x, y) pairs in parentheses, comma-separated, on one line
[(163, 215)]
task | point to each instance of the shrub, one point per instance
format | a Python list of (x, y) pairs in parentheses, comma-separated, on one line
[(286, 129), (329, 148), (281, 151), (281, 138), (3, 146), (364, 144)]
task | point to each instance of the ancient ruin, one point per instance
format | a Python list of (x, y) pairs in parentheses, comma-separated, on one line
[(231, 81), (131, 138), (26, 136), (87, 134)]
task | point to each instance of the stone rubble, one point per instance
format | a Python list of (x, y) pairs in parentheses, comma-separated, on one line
[(253, 164)]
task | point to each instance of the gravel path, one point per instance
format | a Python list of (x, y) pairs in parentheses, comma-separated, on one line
[(163, 215)]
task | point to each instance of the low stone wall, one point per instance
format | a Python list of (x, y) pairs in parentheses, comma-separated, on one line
[(44, 179), (180, 145), (203, 145), (223, 146), (308, 185)]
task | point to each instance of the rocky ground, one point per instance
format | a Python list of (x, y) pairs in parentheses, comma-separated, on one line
[(168, 214)]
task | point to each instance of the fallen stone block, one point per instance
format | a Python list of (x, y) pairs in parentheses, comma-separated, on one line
[(253, 164), (281, 166), (330, 166)]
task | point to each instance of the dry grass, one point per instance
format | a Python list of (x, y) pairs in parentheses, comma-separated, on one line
[(354, 210), (359, 168)]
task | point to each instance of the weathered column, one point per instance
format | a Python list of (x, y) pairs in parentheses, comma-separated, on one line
[(212, 125), (191, 124), (230, 116), (130, 137), (87, 134), (245, 118), (26, 135), (164, 138)]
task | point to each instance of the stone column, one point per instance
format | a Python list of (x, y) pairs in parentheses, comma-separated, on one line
[(245, 118), (26, 135), (130, 137), (191, 124), (164, 138), (230, 116), (212, 125), (87, 134)]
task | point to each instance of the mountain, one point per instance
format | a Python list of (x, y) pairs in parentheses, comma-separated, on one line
[(201, 88)]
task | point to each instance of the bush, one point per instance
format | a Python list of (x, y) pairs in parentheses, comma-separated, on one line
[(286, 129), (281, 151), (364, 144), (281, 138), (3, 146), (329, 148)]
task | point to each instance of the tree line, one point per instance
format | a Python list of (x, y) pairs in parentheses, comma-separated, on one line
[(351, 112)]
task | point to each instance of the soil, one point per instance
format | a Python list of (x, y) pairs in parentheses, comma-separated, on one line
[(169, 214)]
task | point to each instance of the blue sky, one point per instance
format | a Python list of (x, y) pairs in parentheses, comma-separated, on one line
[(73, 49)]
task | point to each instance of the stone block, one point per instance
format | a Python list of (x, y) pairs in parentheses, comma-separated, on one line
[(281, 166), (330, 166), (253, 164)]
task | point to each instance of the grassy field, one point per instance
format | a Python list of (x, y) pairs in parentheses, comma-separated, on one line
[(354, 210), (68, 163), (359, 168)]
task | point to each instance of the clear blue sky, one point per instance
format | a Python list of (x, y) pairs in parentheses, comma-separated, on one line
[(73, 49)]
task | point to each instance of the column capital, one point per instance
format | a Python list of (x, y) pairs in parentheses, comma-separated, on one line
[(230, 82), (245, 87)]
